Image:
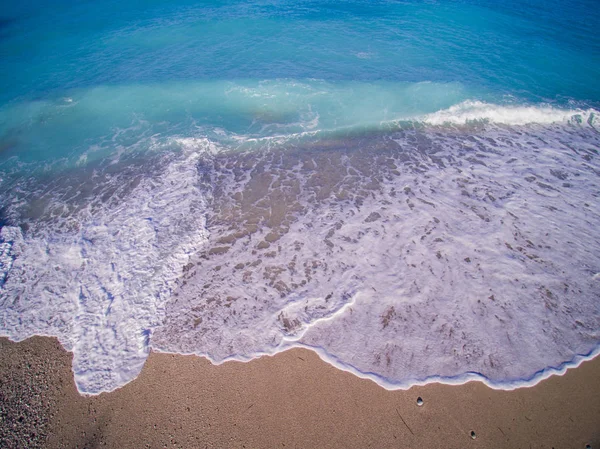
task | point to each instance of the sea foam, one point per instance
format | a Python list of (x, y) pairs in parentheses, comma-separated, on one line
[(100, 286), (410, 257), (429, 253), (473, 111)]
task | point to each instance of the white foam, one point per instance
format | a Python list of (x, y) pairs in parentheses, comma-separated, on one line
[(474, 258), (102, 289), (476, 261), (472, 111), (9, 236)]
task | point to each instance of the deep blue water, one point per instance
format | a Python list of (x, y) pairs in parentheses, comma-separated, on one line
[(536, 50)]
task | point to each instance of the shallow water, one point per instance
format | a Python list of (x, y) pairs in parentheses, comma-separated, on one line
[(238, 178)]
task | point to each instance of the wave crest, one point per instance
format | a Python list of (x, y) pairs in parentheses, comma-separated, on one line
[(479, 111)]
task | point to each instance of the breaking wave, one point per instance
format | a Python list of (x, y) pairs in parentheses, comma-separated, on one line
[(476, 111), (419, 253)]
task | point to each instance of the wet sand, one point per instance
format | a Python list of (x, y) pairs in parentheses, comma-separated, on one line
[(290, 400)]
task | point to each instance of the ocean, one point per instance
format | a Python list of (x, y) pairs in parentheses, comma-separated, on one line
[(408, 188)]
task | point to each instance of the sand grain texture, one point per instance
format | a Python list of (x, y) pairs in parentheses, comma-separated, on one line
[(290, 400)]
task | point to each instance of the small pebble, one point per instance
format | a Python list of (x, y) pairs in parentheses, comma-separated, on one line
[(419, 401), (473, 436)]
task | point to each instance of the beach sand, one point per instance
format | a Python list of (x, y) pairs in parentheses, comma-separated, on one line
[(291, 400)]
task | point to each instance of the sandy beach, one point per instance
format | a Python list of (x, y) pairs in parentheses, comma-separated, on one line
[(378, 194), (293, 399)]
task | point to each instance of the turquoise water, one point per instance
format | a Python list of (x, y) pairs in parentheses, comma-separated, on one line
[(175, 63), (535, 51), (394, 184)]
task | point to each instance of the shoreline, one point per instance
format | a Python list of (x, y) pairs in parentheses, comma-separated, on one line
[(512, 385), (324, 356), (292, 399), (288, 228)]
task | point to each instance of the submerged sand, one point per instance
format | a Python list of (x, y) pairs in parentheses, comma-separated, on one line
[(293, 399)]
